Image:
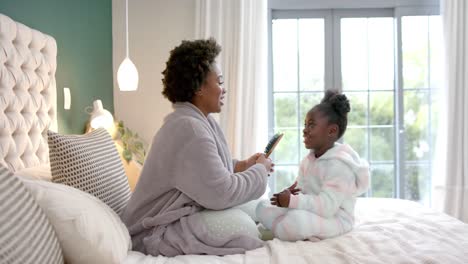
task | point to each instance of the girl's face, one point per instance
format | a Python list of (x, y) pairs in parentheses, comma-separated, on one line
[(211, 93), (318, 134)]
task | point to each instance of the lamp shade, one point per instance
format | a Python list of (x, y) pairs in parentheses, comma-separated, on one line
[(127, 76), (100, 117)]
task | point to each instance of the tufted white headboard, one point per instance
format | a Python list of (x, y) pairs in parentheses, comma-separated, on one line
[(27, 94)]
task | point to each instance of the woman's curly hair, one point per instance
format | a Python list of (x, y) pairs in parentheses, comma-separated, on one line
[(187, 67), (335, 106)]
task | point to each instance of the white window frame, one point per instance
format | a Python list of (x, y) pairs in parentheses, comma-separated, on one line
[(332, 11)]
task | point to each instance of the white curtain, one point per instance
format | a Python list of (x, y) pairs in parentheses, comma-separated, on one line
[(451, 190), (240, 27)]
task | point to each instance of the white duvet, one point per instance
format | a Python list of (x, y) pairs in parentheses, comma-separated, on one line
[(386, 231)]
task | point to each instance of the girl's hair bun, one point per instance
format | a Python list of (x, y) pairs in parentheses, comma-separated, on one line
[(339, 102)]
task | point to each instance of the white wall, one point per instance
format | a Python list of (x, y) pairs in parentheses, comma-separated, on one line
[(155, 27)]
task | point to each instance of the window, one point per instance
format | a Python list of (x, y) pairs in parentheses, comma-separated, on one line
[(388, 63)]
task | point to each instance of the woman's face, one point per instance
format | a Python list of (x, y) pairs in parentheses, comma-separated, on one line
[(211, 94)]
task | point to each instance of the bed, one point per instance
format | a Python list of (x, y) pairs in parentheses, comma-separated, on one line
[(386, 230)]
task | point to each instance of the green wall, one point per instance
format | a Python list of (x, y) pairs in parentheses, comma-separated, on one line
[(83, 31)]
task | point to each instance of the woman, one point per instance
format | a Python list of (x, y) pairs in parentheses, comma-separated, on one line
[(189, 167)]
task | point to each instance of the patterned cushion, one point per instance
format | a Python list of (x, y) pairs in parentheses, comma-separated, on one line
[(26, 235), (90, 163)]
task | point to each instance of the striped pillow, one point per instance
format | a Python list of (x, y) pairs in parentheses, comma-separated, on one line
[(90, 163), (26, 235)]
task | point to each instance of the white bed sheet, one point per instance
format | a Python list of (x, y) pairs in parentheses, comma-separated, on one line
[(386, 231)]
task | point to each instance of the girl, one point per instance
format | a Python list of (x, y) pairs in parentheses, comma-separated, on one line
[(320, 204)]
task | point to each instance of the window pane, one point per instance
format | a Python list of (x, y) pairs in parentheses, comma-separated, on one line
[(285, 110), (436, 63), (308, 100), (358, 114), (354, 54), (416, 118), (357, 138), (417, 183), (382, 144), (285, 176), (381, 53), (382, 180), (367, 53), (284, 34), (287, 151), (311, 54), (415, 51), (381, 108)]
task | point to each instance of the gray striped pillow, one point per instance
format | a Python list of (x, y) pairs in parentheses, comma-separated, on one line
[(90, 163), (26, 235)]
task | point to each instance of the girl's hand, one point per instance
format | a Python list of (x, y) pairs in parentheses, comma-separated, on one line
[(281, 199), (293, 188)]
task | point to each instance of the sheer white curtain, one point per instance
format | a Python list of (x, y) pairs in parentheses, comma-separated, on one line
[(240, 27), (452, 189)]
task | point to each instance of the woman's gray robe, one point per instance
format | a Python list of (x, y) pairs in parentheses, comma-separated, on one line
[(188, 168)]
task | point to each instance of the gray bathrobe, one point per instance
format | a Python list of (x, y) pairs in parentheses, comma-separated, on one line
[(189, 168)]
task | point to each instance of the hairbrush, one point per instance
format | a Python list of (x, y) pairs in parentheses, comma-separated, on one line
[(272, 143)]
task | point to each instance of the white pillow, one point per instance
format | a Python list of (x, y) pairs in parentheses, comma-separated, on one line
[(250, 208), (229, 222), (88, 230), (41, 172)]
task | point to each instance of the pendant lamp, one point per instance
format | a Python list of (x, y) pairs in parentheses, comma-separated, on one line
[(127, 74)]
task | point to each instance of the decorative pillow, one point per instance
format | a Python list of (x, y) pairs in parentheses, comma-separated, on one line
[(89, 231), (90, 163), (229, 222), (26, 235)]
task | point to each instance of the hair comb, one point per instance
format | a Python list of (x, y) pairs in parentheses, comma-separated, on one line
[(272, 143)]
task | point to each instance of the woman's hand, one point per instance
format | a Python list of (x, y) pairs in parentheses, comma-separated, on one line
[(266, 162), (251, 161), (243, 165), (255, 158), (281, 199)]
